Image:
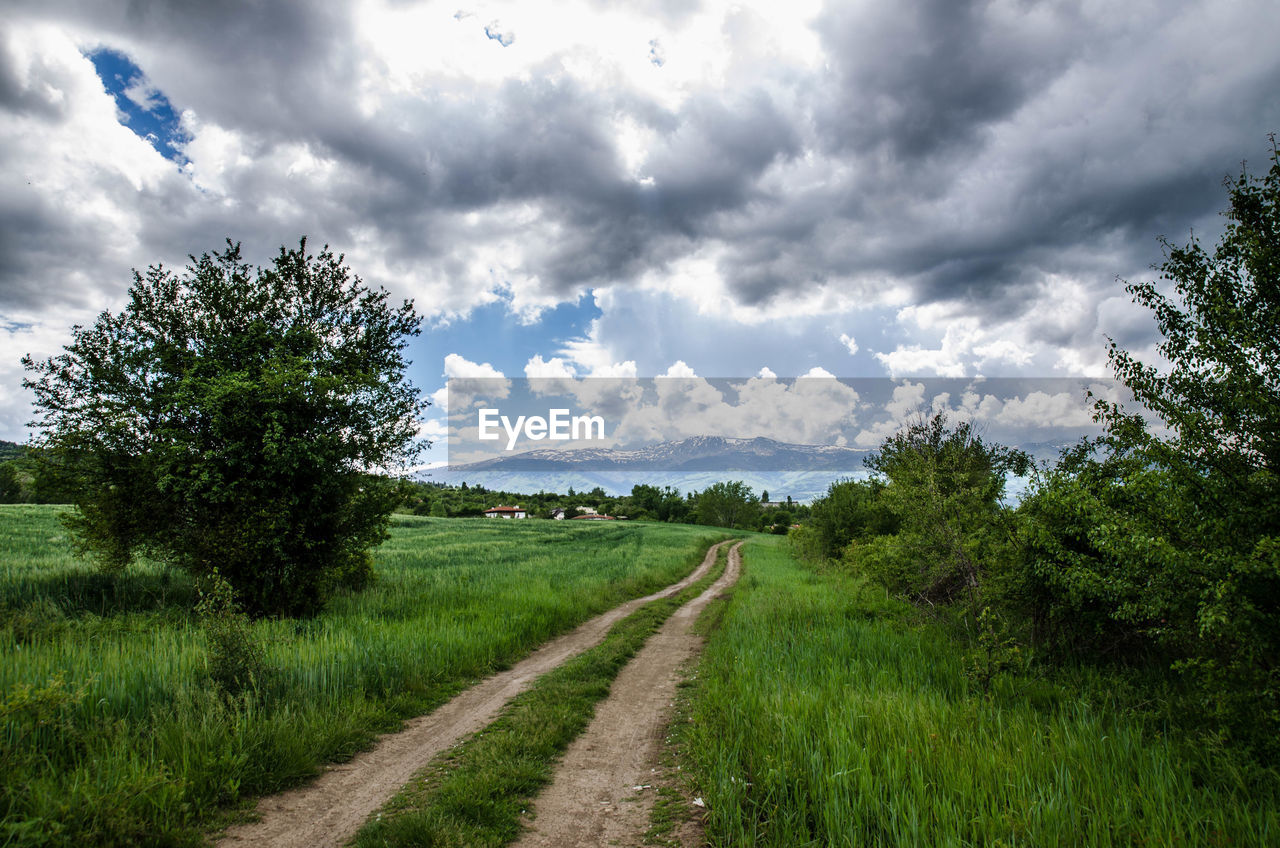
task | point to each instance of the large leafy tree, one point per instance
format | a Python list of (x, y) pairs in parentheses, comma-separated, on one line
[(229, 419), (1220, 394), (1168, 540)]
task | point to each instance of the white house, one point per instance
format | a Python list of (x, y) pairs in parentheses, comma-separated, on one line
[(506, 512)]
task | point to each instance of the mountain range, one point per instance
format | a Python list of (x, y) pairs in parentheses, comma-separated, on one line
[(696, 453)]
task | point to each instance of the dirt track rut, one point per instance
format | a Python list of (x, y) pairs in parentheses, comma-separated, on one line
[(327, 811), (605, 786)]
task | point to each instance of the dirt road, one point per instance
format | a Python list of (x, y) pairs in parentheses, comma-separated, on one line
[(327, 811), (603, 790)]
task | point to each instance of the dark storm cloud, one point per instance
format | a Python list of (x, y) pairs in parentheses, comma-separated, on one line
[(274, 66), (924, 78), (961, 149), (992, 144)]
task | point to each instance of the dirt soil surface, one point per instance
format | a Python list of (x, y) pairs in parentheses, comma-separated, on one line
[(606, 785), (330, 809)]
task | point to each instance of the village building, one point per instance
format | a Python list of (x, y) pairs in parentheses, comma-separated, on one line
[(506, 512)]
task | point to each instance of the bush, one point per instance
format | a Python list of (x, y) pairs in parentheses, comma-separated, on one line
[(236, 660)]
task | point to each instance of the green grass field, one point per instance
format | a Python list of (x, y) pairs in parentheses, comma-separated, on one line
[(112, 733), (825, 714)]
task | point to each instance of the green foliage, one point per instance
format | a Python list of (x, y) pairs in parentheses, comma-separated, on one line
[(996, 652), (727, 505), (663, 504), (28, 709), (26, 477), (236, 659), (227, 419), (39, 618), (1220, 395), (1106, 567), (944, 486), (851, 510), (10, 484), (1163, 544)]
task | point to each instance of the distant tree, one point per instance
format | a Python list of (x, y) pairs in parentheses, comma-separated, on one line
[(851, 509), (727, 505), (10, 485), (646, 500), (231, 420)]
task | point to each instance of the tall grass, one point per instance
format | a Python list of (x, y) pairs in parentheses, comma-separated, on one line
[(821, 717), (111, 732)]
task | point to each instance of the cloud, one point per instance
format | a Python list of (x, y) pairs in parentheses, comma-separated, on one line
[(494, 32), (782, 174), (553, 368), (459, 367), (680, 369), (903, 406)]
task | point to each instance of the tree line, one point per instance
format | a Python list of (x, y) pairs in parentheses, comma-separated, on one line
[(731, 504)]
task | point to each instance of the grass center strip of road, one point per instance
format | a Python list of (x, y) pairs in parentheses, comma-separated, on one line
[(477, 794)]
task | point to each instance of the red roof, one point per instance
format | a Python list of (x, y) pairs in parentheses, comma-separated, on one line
[(506, 509)]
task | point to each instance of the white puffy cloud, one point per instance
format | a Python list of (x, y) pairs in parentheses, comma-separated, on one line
[(459, 367), (903, 406), (553, 368)]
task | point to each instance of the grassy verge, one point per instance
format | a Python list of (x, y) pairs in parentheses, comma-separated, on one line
[(477, 794), (111, 734), (825, 714)]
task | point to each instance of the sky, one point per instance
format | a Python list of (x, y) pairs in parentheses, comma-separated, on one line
[(925, 188)]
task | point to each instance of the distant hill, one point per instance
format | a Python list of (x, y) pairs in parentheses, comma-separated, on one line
[(698, 453), (11, 450)]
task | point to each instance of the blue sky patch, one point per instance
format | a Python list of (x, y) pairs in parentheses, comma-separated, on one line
[(141, 106), (492, 334)]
